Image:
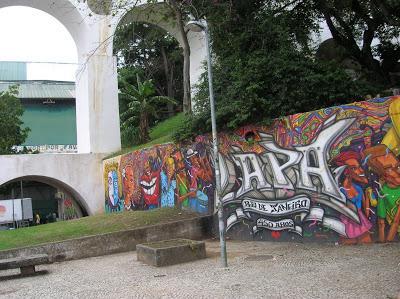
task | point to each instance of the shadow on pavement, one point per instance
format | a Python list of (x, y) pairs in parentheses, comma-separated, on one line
[(19, 276)]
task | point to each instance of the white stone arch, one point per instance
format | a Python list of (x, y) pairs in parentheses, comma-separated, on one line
[(81, 174), (63, 10), (96, 79), (58, 185), (155, 14)]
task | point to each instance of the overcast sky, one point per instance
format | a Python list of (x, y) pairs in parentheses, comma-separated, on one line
[(32, 35)]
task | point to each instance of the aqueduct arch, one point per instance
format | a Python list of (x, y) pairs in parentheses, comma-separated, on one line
[(80, 175), (96, 80), (96, 97), (59, 185), (155, 14)]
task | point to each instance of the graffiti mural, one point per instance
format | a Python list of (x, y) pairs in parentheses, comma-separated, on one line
[(162, 176), (331, 174)]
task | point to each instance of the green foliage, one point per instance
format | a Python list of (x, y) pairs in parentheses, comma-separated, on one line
[(11, 131), (356, 25), (166, 127), (141, 104), (154, 53), (161, 133), (264, 68)]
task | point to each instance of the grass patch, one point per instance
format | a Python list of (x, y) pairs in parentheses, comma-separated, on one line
[(166, 127), (87, 226), (159, 134)]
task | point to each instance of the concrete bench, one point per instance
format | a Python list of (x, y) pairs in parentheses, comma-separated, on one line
[(170, 252), (25, 263)]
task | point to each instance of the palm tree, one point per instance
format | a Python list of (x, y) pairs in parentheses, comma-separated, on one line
[(141, 105)]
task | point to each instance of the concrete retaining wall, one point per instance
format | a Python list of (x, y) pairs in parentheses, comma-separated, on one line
[(122, 241)]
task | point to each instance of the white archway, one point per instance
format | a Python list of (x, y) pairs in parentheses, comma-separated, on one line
[(98, 129), (96, 79), (155, 14), (58, 185), (81, 175)]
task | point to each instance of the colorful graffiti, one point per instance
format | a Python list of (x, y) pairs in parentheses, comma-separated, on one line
[(162, 176), (332, 173), (328, 174)]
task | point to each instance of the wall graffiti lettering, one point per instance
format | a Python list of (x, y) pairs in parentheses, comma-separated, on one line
[(330, 173), (327, 174)]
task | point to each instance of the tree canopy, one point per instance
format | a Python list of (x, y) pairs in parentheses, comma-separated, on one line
[(155, 53), (11, 130), (264, 56), (264, 66)]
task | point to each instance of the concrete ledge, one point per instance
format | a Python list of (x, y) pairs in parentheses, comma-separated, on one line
[(195, 228), (170, 252)]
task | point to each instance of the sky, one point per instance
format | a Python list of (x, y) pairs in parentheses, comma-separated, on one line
[(31, 35), (34, 36)]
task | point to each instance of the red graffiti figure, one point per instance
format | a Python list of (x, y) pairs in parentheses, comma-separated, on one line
[(150, 183)]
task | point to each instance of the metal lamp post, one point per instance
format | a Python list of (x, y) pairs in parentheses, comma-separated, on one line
[(199, 26)]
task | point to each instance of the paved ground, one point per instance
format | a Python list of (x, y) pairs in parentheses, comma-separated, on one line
[(256, 270)]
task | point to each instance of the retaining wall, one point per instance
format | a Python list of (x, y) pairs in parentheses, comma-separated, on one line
[(196, 228)]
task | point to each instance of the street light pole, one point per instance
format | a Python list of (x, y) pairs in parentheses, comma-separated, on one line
[(198, 26)]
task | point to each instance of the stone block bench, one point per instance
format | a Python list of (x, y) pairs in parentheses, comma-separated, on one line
[(25, 263), (170, 252)]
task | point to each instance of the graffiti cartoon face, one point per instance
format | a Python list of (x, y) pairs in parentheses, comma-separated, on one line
[(391, 169), (180, 165), (355, 171), (113, 187), (170, 167), (385, 164), (150, 184), (128, 182)]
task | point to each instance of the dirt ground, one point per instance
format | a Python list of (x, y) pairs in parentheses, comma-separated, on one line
[(256, 270)]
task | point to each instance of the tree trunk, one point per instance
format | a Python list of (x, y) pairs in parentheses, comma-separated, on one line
[(144, 127), (187, 102), (168, 80)]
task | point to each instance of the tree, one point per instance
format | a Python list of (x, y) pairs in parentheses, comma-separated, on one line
[(156, 53), (368, 30), (176, 11), (141, 105), (11, 131), (264, 67), (355, 24)]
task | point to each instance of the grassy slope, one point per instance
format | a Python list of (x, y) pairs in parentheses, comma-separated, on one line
[(88, 226), (161, 133)]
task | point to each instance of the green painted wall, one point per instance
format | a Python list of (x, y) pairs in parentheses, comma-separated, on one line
[(50, 124)]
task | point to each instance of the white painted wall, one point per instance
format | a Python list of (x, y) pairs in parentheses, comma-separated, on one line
[(80, 174)]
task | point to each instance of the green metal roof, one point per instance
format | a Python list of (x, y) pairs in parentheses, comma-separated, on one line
[(42, 89), (12, 70)]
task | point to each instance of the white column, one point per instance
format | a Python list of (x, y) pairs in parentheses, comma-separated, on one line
[(198, 56), (97, 106)]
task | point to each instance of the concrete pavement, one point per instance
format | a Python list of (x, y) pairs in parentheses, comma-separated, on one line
[(256, 270)]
